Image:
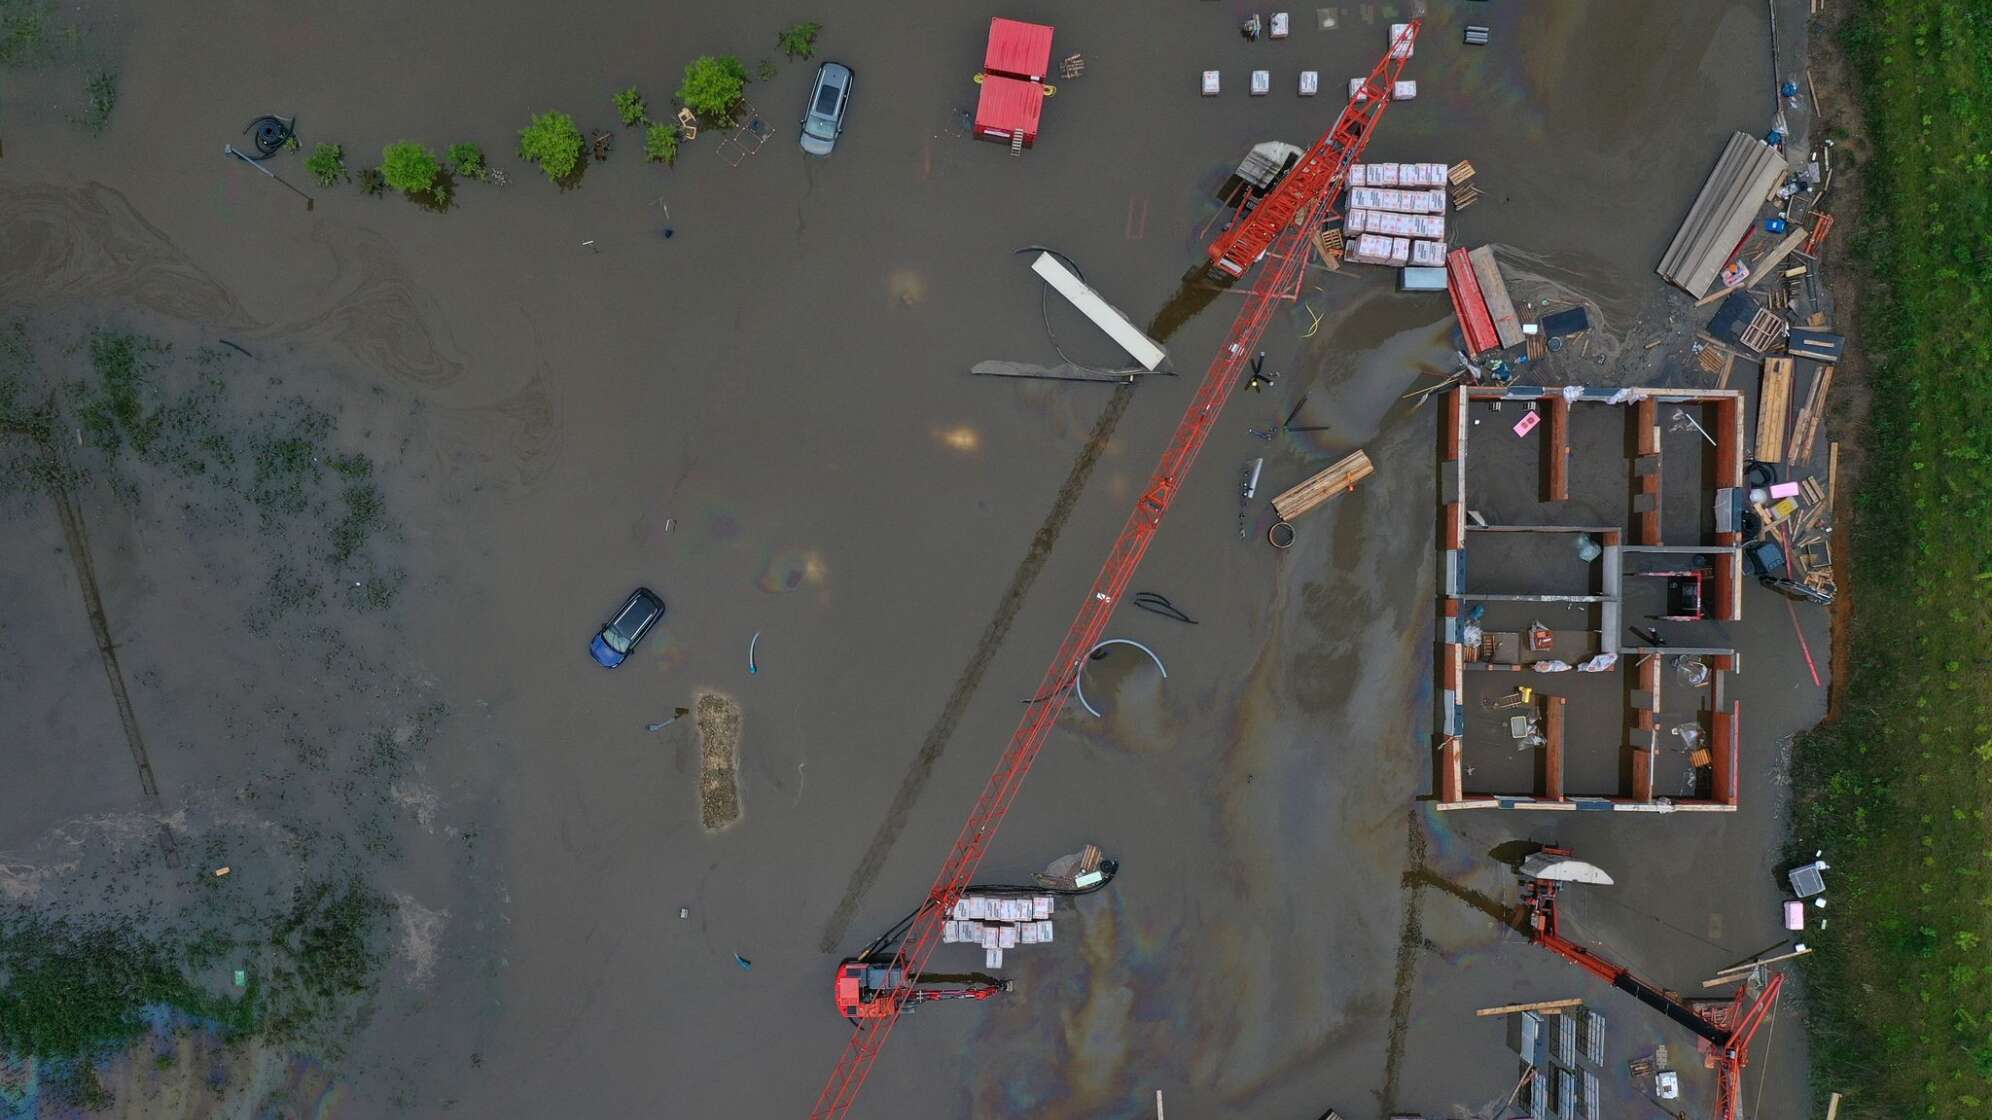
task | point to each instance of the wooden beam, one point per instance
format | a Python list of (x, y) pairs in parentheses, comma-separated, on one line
[(1342, 475), (1552, 734), (1833, 1107), (1769, 262), (1749, 965), (1773, 401), (1557, 481), (1547, 1007), (1832, 471), (1805, 430)]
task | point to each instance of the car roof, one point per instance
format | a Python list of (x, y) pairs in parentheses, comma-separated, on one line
[(834, 70)]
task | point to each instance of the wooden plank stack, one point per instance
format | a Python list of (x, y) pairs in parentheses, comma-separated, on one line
[(1805, 430), (1342, 475), (1772, 406)]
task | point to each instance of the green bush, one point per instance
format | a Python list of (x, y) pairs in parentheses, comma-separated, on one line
[(411, 168), (100, 96), (798, 40), (468, 159), (629, 105), (553, 141), (660, 143), (327, 164), (713, 85)]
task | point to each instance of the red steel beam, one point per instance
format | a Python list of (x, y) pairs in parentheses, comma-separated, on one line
[(1287, 249)]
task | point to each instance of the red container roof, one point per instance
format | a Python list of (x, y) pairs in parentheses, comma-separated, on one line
[(1008, 105), (1475, 324), (1018, 49)]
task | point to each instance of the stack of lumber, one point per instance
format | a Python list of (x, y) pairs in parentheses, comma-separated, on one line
[(1342, 475), (1773, 404), (1722, 214), (1805, 429)]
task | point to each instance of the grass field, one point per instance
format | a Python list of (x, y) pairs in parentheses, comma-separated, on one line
[(1897, 790)]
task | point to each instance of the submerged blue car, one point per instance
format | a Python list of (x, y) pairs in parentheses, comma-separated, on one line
[(618, 637)]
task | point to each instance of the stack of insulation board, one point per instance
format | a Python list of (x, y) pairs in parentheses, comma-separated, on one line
[(1401, 202), (1399, 91), (1723, 213), (1397, 175), (1375, 248), (1429, 226), (997, 923)]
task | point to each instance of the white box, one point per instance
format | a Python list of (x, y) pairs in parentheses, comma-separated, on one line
[(1404, 91), (948, 931), (1210, 83), (990, 938), (1428, 254), (1357, 174), (1044, 932), (1356, 222), (1432, 227), (992, 958), (1007, 939), (1355, 87), (961, 908), (1310, 82), (1041, 906), (1400, 50), (1381, 175), (1027, 933), (1262, 82), (1281, 25)]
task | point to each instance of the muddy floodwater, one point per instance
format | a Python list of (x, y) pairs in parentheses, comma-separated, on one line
[(743, 381)]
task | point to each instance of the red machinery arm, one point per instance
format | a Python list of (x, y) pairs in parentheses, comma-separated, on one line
[(1286, 243), (1321, 170)]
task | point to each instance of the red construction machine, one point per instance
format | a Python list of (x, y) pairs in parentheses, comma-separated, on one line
[(1723, 1028)]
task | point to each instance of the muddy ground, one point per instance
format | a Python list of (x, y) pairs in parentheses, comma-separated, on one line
[(767, 418)]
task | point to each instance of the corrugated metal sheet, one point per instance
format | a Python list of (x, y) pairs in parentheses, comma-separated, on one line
[(1474, 323), (1722, 213), (1007, 106), (1018, 49), (1494, 292)]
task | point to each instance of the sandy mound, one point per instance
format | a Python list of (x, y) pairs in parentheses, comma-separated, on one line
[(718, 719)]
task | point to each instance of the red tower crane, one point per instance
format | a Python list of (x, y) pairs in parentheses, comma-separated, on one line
[(1277, 229), (1725, 1033)]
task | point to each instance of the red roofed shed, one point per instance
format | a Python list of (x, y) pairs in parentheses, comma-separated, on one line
[(1018, 50), (1008, 107)]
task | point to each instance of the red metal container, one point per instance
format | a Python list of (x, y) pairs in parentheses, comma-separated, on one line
[(1475, 324), (1007, 107), (1018, 50)]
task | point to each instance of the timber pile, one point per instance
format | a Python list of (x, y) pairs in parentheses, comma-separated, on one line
[(1341, 476), (1743, 178), (1772, 405), (1805, 430)]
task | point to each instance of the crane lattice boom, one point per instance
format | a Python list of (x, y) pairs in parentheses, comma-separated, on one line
[(1277, 230)]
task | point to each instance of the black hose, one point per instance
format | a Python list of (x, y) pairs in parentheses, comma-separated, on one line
[(1155, 603), (271, 134)]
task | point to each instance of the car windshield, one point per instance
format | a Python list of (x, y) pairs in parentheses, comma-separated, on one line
[(826, 100)]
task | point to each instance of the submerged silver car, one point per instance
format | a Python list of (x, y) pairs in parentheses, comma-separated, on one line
[(828, 99)]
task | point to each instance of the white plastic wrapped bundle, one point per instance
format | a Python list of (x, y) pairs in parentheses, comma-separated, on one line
[(1356, 173), (1041, 907), (1435, 174), (1428, 254), (1393, 225), (1356, 90), (1383, 175), (1370, 248), (1006, 938), (1356, 222), (1399, 49), (961, 908), (1403, 91), (1027, 933), (1044, 932), (1400, 251), (1435, 201), (1363, 198), (992, 959), (1429, 226)]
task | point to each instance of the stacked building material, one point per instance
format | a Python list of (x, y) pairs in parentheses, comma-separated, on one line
[(997, 922), (1398, 201), (1431, 227), (1376, 248), (1722, 214), (1397, 175)]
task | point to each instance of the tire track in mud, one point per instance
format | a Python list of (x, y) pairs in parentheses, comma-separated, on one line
[(1191, 296), (78, 540), (1418, 876), (63, 244), (914, 782)]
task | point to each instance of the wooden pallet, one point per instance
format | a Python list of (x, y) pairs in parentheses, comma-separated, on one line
[(1717, 359), (1463, 197), (1764, 331), (1071, 66), (1805, 430), (1773, 402), (1459, 173), (1328, 245), (1338, 478)]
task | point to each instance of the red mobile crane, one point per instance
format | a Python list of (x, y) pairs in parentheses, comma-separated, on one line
[(1725, 1033), (1277, 228)]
